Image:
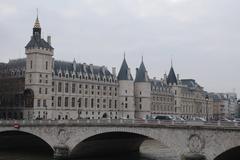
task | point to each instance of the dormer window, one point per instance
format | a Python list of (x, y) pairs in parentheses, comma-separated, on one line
[(66, 75)]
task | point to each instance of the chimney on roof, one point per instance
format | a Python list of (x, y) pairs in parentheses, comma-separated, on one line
[(91, 68), (49, 40), (129, 74), (114, 71)]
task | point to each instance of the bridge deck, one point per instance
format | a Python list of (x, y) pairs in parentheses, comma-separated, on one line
[(124, 122)]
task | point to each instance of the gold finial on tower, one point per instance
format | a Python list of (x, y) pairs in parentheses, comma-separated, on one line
[(37, 24)]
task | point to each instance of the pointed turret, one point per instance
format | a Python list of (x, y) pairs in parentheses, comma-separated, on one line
[(141, 74), (142, 90), (37, 28), (172, 79), (36, 40), (124, 73)]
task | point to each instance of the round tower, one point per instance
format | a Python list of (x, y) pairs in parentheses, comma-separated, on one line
[(142, 92), (126, 92)]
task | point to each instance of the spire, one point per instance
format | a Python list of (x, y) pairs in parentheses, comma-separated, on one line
[(37, 24), (37, 27), (141, 73), (124, 73), (171, 79)]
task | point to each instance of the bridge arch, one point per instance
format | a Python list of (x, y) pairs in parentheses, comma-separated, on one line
[(41, 134), (87, 133), (17, 139), (232, 153)]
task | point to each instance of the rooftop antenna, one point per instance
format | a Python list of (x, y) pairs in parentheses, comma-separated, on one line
[(124, 55)]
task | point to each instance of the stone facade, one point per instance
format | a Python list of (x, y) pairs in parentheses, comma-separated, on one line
[(70, 90), (65, 136)]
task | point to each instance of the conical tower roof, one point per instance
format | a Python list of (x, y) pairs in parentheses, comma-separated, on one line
[(171, 79), (141, 75), (123, 73)]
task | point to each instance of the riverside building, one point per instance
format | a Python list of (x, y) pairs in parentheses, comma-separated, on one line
[(40, 87)]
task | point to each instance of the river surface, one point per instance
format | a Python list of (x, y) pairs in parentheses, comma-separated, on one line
[(150, 150)]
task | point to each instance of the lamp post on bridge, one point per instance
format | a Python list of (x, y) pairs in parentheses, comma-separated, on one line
[(207, 99)]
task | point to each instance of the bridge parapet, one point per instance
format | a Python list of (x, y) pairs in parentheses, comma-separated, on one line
[(123, 122)]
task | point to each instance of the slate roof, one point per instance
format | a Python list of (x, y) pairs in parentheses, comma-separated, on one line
[(191, 83), (16, 67), (123, 73), (15, 64), (84, 69), (157, 84), (171, 79), (37, 42), (141, 75)]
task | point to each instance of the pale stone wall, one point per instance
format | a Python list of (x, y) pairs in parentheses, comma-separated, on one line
[(39, 78), (142, 92), (162, 102), (126, 99), (210, 141)]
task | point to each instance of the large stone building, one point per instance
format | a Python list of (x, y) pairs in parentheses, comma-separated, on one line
[(40, 87), (225, 105)]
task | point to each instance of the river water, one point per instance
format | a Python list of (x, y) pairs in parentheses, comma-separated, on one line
[(149, 150)]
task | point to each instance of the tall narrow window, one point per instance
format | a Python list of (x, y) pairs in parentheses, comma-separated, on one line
[(66, 87), (79, 102), (73, 88), (86, 102), (38, 102), (59, 87), (92, 102), (66, 101), (73, 102), (59, 101), (31, 64), (110, 103), (46, 65), (44, 103)]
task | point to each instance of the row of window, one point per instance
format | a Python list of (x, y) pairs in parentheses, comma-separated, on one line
[(85, 102), (85, 88), (167, 99), (88, 77), (46, 65), (162, 108)]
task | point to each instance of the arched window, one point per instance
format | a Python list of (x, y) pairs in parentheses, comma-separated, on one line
[(28, 98)]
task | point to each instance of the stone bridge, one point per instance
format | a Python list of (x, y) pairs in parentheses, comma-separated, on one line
[(76, 138)]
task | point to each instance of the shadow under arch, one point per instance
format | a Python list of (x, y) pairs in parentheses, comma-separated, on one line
[(13, 140), (108, 143), (231, 154), (112, 143)]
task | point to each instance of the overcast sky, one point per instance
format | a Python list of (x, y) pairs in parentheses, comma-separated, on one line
[(201, 36)]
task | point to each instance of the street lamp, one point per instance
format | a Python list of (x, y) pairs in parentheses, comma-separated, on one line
[(207, 99)]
